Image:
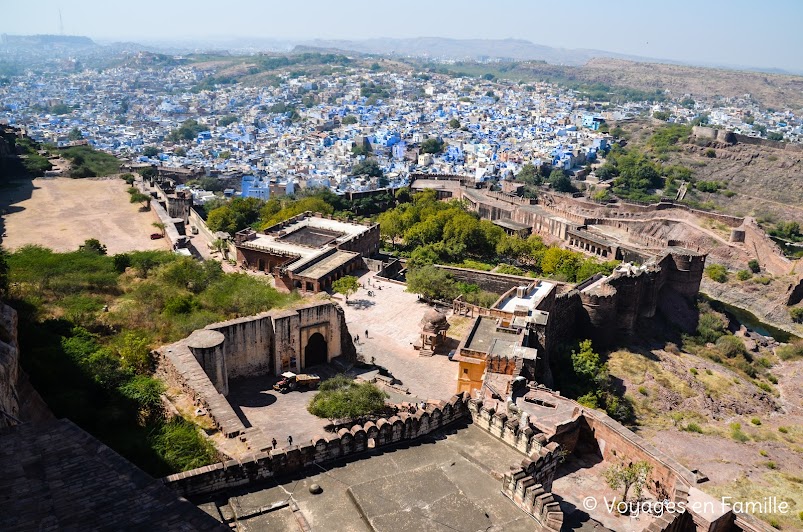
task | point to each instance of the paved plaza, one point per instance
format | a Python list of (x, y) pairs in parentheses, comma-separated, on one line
[(392, 318)]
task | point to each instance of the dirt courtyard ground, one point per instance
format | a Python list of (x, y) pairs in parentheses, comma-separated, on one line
[(61, 213)]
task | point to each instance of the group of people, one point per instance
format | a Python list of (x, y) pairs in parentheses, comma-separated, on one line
[(357, 337), (289, 442)]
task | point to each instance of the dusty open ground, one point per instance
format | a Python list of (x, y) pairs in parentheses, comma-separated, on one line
[(61, 213)]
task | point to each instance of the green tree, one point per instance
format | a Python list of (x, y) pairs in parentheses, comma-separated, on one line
[(94, 246), (403, 195), (454, 123), (432, 145), (754, 266), (631, 476), (75, 134), (559, 181), (188, 130), (342, 398), (391, 225), (149, 172), (238, 214), (586, 362), (160, 226), (348, 120), (181, 447), (139, 197), (346, 285), (147, 393), (361, 149), (730, 346), (369, 167), (530, 175), (226, 120), (430, 281), (717, 272), (150, 151)]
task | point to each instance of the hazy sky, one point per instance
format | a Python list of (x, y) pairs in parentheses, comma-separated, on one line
[(761, 33)]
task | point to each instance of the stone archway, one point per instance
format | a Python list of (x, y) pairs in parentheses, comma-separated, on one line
[(316, 351)]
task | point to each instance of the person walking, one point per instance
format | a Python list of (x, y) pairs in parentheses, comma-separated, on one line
[(274, 443), (290, 440), (366, 333)]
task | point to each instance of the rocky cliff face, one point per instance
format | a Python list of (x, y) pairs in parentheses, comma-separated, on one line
[(9, 367)]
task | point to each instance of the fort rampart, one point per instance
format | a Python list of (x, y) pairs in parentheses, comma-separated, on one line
[(346, 443)]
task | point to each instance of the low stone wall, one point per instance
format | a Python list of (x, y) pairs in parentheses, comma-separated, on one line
[(529, 484), (195, 220), (176, 239), (527, 439), (265, 465), (617, 443)]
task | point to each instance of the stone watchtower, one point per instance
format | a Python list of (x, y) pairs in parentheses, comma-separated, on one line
[(433, 332)]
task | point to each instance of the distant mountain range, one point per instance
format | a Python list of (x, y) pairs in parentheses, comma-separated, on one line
[(436, 48), (500, 49), (469, 49)]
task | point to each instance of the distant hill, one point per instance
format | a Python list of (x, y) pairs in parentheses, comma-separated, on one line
[(770, 90), (496, 49), (46, 40), (467, 49)]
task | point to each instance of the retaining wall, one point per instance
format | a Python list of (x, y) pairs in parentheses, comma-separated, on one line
[(498, 283)]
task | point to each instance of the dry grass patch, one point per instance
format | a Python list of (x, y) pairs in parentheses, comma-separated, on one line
[(785, 487)]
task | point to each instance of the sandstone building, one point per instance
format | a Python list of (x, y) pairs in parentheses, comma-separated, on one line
[(307, 252), (266, 344)]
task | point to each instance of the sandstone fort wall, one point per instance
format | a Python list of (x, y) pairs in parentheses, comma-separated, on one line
[(347, 442)]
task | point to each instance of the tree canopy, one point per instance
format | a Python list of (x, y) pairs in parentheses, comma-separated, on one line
[(340, 398), (238, 214), (559, 181), (369, 167), (432, 145), (188, 130), (346, 285)]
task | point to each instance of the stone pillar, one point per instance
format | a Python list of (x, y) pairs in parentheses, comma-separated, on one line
[(207, 347)]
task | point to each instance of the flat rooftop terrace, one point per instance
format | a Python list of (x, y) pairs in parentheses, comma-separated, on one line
[(311, 236), (486, 339), (308, 237), (531, 299), (326, 265)]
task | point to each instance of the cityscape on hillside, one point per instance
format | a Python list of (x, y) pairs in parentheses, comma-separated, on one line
[(317, 277)]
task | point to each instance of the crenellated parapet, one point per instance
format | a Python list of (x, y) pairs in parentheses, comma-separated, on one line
[(529, 485), (524, 437), (346, 442), (613, 305)]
